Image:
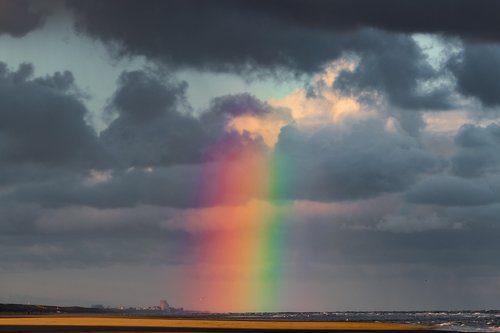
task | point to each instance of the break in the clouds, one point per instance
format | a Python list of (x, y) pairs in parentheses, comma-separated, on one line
[(380, 156)]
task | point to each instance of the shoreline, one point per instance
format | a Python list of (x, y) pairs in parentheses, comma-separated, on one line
[(109, 323)]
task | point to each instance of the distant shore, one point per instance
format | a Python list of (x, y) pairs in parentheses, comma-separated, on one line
[(108, 323)]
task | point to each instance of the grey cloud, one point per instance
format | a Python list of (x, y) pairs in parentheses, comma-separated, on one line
[(170, 187), (230, 106), (149, 246), (455, 191), (477, 71), (411, 122), (334, 164), (155, 125), (62, 81), (178, 186), (331, 164), (143, 95), (223, 109), (484, 216), (155, 149), (427, 242), (408, 223), (478, 150), (18, 17), (18, 218), (15, 174), (137, 235), (40, 124), (82, 237), (170, 139), (225, 142), (395, 66)]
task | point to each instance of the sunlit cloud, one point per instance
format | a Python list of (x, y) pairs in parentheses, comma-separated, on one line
[(318, 103)]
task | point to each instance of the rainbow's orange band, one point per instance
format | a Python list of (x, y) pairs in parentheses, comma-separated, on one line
[(240, 258)]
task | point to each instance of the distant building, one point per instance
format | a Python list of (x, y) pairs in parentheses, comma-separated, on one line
[(164, 305)]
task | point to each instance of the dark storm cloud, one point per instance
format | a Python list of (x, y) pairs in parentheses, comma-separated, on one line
[(151, 127), (334, 164), (18, 17), (395, 66), (453, 17), (215, 35), (478, 150), (477, 71), (144, 96), (114, 19), (41, 124), (269, 33)]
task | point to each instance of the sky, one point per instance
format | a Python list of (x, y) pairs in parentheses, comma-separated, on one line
[(278, 155)]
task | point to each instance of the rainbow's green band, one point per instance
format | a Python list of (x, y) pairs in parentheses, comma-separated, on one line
[(246, 251)]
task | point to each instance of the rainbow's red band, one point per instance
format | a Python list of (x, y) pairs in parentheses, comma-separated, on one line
[(239, 259)]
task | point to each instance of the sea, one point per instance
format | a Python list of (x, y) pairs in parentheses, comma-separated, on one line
[(454, 321)]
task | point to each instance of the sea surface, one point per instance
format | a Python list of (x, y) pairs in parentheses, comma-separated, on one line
[(461, 321)]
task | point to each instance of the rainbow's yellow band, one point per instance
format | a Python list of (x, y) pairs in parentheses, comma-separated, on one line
[(240, 259)]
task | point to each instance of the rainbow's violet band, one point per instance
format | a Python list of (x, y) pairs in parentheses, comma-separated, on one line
[(239, 259)]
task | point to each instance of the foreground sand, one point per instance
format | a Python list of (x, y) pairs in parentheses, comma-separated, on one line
[(49, 323)]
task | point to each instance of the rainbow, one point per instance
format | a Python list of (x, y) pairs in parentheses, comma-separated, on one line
[(238, 258)]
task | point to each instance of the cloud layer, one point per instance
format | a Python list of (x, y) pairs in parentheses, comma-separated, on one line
[(371, 185)]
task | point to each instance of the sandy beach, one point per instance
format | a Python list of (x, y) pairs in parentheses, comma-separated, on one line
[(61, 323)]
